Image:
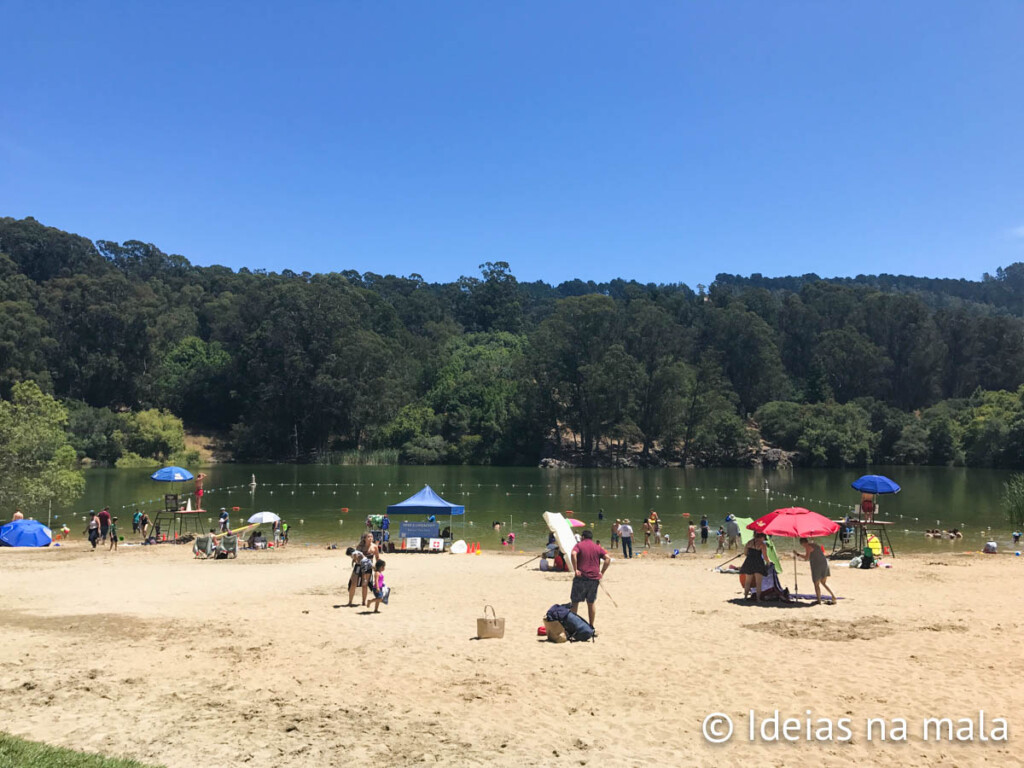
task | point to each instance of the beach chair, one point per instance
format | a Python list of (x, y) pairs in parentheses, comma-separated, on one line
[(203, 547), (228, 545)]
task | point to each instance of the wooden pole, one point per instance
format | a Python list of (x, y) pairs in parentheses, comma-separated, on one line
[(527, 562), (601, 584)]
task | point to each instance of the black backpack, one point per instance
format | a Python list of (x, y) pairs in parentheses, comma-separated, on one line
[(577, 629)]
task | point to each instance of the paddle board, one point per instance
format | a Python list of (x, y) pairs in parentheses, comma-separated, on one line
[(564, 537)]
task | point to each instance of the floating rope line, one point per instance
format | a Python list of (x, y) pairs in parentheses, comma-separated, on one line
[(530, 491)]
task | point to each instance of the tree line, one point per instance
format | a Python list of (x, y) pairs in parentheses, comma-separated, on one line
[(492, 370)]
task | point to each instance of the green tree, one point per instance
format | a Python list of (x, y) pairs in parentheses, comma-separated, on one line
[(570, 347), (1013, 500), (479, 395), (748, 354), (192, 381), (39, 464), (155, 434), (912, 447), (96, 433), (710, 429)]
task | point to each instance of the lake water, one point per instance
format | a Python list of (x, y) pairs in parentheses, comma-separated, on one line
[(312, 498)]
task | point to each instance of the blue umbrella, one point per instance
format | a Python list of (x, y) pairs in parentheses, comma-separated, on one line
[(25, 533), (875, 484), (171, 475)]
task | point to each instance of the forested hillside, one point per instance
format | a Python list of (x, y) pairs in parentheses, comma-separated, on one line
[(306, 367)]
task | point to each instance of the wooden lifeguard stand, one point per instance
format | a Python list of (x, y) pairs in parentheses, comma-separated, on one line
[(174, 521), (848, 545)]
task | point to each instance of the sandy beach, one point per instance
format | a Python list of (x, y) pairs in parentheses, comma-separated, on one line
[(149, 654)]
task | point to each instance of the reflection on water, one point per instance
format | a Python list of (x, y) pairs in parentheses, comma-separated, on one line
[(312, 498)]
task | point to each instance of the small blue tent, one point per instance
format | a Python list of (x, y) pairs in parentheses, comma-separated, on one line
[(425, 502)]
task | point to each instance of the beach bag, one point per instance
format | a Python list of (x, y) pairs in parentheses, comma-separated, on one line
[(490, 627)]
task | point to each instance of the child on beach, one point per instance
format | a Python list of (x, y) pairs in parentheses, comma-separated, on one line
[(113, 534), (381, 593), (721, 540), (691, 545)]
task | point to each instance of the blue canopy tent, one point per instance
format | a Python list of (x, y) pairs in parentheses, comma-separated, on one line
[(426, 502)]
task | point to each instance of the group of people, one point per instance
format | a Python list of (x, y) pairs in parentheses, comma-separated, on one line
[(622, 534), (101, 528), (937, 534), (622, 537), (367, 573), (757, 562)]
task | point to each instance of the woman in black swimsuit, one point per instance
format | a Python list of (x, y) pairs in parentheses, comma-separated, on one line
[(755, 566)]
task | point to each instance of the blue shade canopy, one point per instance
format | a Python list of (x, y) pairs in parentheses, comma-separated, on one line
[(425, 502), (875, 484), (171, 475), (25, 533)]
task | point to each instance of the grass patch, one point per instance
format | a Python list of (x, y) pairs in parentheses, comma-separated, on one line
[(378, 458), (18, 753)]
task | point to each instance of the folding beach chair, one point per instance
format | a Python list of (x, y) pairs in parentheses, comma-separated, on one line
[(228, 546), (203, 547)]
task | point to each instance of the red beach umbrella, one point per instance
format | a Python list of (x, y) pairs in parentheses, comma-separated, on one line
[(762, 522), (795, 522)]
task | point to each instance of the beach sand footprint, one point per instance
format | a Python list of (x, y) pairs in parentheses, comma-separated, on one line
[(845, 630), (834, 630)]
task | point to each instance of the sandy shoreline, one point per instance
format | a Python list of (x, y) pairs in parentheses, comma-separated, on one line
[(148, 654)]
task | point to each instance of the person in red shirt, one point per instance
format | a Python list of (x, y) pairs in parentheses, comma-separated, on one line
[(104, 523), (589, 562)]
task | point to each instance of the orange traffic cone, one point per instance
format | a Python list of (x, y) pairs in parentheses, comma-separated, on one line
[(403, 543), (478, 548)]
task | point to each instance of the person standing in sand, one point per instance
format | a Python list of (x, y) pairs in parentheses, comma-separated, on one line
[(626, 537), (369, 547), (819, 567), (615, 534), (104, 523), (362, 572), (589, 562), (755, 565), (93, 529), (113, 535)]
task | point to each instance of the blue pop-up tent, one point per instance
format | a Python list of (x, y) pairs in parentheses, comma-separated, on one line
[(426, 502)]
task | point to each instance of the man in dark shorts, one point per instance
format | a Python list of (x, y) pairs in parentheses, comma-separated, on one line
[(104, 523), (589, 562)]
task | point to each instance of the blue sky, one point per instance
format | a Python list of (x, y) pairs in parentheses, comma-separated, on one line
[(659, 141)]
